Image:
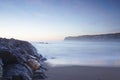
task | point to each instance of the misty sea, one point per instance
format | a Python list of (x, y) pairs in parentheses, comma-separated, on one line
[(80, 53)]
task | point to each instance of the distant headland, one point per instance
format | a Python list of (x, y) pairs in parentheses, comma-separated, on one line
[(98, 37)]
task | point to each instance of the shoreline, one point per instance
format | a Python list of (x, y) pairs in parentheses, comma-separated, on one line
[(83, 73)]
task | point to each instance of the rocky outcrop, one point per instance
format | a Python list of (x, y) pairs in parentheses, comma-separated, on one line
[(19, 60), (100, 37)]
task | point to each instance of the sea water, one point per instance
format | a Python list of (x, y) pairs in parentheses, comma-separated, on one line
[(81, 53)]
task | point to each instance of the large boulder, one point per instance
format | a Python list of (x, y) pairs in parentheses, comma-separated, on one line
[(19, 60)]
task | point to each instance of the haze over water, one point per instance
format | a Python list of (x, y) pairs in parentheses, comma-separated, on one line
[(81, 53)]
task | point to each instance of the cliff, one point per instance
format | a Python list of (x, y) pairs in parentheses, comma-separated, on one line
[(100, 37)]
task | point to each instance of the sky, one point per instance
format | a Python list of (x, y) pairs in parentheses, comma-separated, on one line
[(37, 20)]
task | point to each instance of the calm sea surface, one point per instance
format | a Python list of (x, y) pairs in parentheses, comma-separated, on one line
[(81, 53)]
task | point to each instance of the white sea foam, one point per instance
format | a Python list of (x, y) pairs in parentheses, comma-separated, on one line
[(81, 53)]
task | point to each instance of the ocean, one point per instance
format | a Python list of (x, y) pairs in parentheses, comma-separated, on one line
[(81, 53)]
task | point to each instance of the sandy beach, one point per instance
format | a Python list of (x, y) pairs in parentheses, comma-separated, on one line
[(83, 73)]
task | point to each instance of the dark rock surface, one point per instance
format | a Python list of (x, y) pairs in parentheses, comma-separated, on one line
[(19, 60)]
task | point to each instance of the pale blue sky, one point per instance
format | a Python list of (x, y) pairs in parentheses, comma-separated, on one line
[(55, 19)]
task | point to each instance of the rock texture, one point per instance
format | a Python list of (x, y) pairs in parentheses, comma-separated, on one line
[(19, 60)]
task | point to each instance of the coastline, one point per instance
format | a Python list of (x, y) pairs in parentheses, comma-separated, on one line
[(83, 73)]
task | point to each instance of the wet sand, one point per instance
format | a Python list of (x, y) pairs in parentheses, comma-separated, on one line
[(83, 73)]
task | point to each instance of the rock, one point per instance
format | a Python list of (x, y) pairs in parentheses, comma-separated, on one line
[(1, 69), (34, 64), (19, 60), (17, 72)]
